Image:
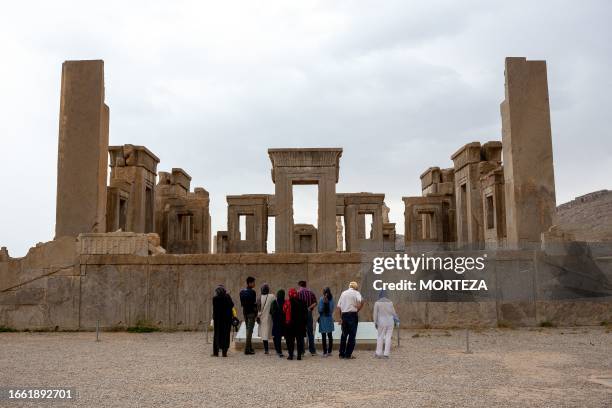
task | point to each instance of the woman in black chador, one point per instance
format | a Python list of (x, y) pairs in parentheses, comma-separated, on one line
[(278, 321), (222, 320)]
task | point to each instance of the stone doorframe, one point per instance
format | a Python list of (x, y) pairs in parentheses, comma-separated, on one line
[(305, 166)]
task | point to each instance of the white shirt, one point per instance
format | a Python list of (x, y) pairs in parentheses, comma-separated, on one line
[(384, 313), (349, 301)]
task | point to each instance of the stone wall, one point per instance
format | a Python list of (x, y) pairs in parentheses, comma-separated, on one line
[(588, 217), (56, 287)]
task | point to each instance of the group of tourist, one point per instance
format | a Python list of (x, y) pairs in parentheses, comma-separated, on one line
[(291, 315)]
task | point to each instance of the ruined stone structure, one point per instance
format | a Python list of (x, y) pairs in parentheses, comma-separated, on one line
[(305, 166), (389, 237), (131, 193), (182, 217), (82, 150), (536, 271), (356, 207), (58, 287), (305, 238), (254, 209), (351, 208), (85, 204), (430, 219), (481, 202), (221, 243), (471, 162)]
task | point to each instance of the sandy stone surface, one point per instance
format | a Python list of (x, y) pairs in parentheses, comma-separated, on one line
[(563, 367)]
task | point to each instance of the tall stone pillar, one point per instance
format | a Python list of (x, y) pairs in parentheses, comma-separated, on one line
[(82, 150), (527, 147), (326, 228), (283, 225)]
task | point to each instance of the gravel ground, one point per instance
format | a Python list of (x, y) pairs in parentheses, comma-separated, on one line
[(509, 368)]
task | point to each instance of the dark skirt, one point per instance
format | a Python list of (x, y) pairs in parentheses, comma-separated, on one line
[(278, 320)]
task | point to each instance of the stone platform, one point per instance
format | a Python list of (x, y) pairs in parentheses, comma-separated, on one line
[(366, 337), (57, 287)]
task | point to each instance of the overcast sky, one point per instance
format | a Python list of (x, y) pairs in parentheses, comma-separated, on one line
[(210, 86)]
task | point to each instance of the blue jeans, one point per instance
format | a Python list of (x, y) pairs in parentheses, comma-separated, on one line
[(310, 333), (350, 321)]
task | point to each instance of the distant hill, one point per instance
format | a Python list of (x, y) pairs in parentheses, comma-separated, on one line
[(588, 217)]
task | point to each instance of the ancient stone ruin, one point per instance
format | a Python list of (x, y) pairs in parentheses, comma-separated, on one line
[(139, 248), (482, 201)]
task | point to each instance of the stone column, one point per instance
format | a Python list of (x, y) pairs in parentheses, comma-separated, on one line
[(326, 228), (351, 223), (82, 150), (493, 204), (529, 175), (339, 234), (283, 225), (377, 225), (360, 225), (251, 228)]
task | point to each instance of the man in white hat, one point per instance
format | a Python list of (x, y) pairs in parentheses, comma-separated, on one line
[(349, 305)]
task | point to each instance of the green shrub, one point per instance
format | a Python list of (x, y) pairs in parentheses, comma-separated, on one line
[(4, 329), (547, 323), (142, 327), (502, 324)]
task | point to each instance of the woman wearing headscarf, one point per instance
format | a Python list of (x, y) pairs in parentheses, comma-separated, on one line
[(384, 319), (326, 321), (295, 319), (264, 319), (278, 321), (222, 320)]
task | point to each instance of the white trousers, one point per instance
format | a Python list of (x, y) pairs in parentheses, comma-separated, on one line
[(384, 335)]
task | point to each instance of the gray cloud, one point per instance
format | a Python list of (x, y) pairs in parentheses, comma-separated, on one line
[(209, 86)]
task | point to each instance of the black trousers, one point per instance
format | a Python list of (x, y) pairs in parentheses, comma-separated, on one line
[(278, 344), (324, 338), (310, 332), (291, 339), (350, 321)]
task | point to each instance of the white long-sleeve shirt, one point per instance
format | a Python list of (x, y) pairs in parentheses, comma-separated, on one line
[(384, 312)]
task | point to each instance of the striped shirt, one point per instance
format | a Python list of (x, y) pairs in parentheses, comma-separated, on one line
[(306, 296)]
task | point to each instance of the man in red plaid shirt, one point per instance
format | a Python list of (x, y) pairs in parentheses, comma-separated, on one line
[(310, 300)]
